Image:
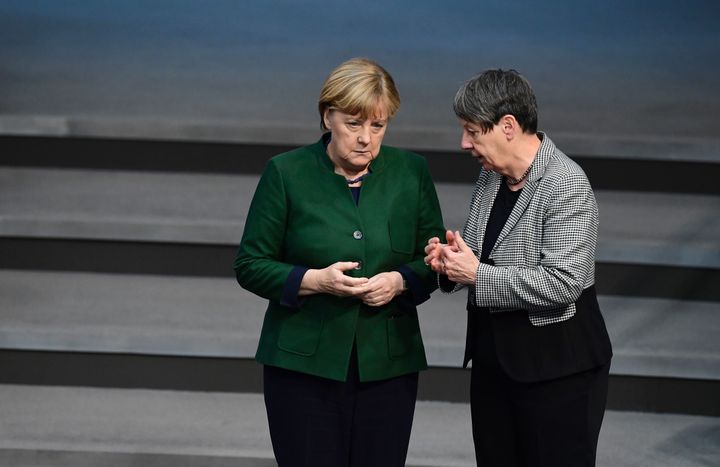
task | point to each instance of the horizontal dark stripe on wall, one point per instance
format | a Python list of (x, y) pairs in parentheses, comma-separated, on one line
[(605, 173), (216, 261), (184, 259), (172, 259), (130, 154), (213, 157), (645, 280), (130, 371), (635, 393)]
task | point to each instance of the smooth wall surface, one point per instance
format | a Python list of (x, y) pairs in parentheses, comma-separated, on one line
[(613, 78)]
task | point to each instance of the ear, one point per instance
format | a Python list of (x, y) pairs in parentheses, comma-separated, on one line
[(326, 118), (509, 126)]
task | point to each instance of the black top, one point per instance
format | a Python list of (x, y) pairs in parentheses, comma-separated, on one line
[(483, 348), (355, 192), (501, 209)]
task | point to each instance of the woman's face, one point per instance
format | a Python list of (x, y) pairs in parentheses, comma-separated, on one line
[(485, 147), (355, 141)]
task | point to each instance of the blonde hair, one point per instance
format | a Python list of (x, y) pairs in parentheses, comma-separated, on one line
[(358, 86)]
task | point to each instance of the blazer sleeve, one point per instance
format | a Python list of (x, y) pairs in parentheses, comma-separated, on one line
[(430, 224), (568, 237), (258, 264)]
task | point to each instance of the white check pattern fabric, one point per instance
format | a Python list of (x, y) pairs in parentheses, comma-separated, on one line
[(545, 254)]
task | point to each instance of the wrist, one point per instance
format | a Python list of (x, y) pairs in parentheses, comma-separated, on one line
[(309, 282), (402, 283)]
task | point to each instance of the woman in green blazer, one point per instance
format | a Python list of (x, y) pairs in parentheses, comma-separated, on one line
[(334, 239)]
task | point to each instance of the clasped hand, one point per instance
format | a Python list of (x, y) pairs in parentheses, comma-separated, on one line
[(374, 291), (454, 259)]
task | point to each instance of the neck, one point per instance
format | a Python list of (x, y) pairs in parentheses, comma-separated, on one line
[(526, 148), (348, 172)]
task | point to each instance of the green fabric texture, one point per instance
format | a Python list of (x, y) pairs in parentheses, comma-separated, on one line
[(303, 214)]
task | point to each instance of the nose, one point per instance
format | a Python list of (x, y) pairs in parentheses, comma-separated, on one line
[(364, 135), (466, 141)]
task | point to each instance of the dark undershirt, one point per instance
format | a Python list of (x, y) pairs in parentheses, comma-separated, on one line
[(484, 350), (501, 209), (355, 191)]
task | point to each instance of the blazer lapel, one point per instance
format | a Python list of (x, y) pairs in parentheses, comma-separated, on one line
[(520, 206), (545, 152), (485, 201)]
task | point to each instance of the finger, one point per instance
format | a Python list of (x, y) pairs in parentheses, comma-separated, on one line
[(375, 302), (462, 246), (450, 237), (345, 265), (354, 291), (449, 252), (368, 292), (433, 240), (436, 265), (432, 254), (367, 297), (354, 281), (376, 277)]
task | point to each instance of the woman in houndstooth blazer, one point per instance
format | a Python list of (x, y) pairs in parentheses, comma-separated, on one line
[(536, 337)]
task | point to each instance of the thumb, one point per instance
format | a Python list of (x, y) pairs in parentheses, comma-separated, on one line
[(462, 246), (450, 237), (345, 265)]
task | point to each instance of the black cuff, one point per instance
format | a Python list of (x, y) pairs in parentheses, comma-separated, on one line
[(416, 292), (446, 285), (292, 287)]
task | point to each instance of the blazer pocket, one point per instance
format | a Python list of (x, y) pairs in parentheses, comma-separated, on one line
[(300, 334), (402, 235), (402, 331)]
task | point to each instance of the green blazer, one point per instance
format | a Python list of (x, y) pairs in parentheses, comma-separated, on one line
[(303, 214)]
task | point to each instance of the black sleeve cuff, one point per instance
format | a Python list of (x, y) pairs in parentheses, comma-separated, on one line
[(416, 292), (292, 287), (446, 285)]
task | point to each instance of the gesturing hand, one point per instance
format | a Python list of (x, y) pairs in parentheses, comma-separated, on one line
[(433, 254), (435, 251), (381, 288), (459, 262), (331, 280)]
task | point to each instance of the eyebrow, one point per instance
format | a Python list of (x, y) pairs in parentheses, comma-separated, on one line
[(360, 118)]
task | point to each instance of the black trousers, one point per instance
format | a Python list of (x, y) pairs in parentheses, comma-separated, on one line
[(553, 423), (317, 422)]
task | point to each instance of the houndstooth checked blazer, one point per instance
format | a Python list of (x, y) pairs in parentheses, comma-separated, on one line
[(544, 256)]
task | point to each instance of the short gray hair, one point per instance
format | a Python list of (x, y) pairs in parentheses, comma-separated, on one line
[(486, 98)]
